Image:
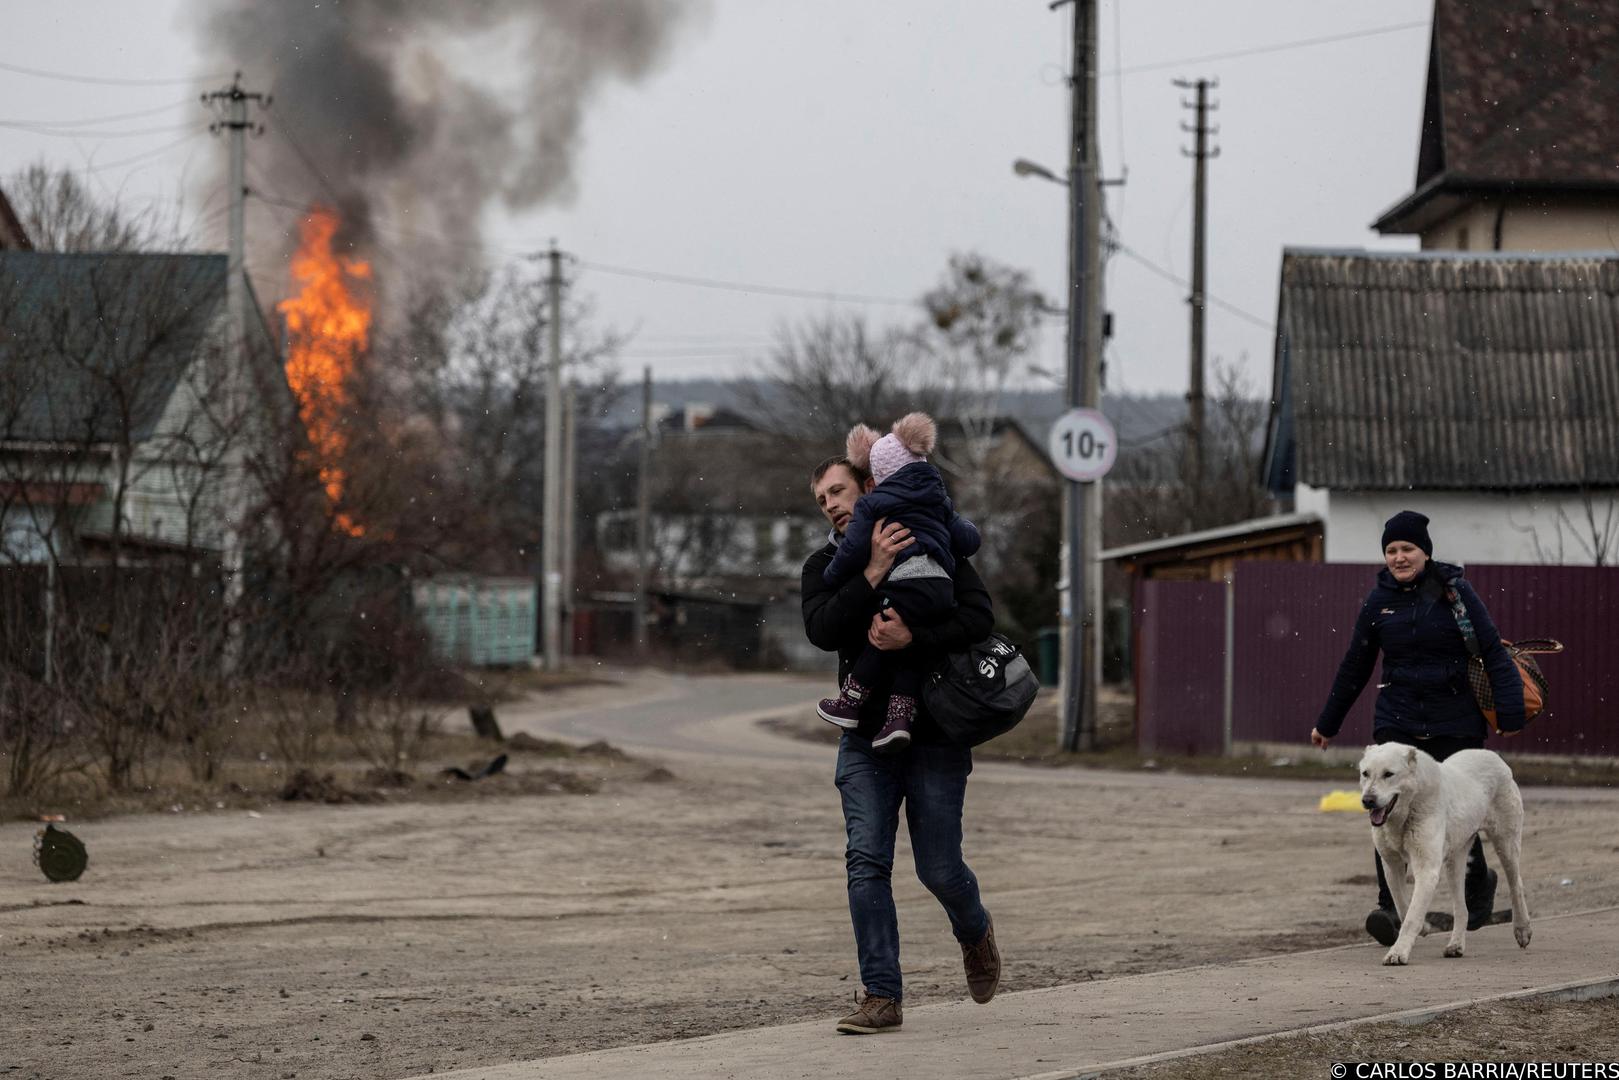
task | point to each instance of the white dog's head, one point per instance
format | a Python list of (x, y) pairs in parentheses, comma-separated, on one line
[(1385, 772)]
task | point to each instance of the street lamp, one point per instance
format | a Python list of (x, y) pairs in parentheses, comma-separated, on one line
[(1025, 167)]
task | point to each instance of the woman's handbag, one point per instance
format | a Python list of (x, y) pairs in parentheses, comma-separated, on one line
[(1478, 677), (982, 692)]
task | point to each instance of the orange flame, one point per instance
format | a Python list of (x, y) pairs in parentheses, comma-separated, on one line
[(328, 324)]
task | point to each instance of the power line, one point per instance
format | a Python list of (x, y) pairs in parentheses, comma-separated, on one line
[(1281, 46), (103, 80), (138, 114), (75, 133), (145, 154), (746, 287), (1215, 301)]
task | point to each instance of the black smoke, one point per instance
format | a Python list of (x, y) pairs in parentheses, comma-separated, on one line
[(386, 109)]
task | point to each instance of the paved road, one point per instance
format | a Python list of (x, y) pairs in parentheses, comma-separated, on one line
[(678, 714)]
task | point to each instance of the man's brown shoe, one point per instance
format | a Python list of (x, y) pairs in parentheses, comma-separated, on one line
[(874, 1016), (983, 964)]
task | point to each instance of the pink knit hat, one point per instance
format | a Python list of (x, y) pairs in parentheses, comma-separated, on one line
[(912, 439)]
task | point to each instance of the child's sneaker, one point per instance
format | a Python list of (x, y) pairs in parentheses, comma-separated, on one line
[(844, 710), (895, 734)]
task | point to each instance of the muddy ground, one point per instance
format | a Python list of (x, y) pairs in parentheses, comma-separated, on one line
[(401, 938)]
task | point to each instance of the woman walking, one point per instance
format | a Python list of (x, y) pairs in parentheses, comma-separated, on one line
[(1424, 699)]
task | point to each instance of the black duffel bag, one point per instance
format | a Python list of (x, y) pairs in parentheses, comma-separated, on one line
[(982, 692)]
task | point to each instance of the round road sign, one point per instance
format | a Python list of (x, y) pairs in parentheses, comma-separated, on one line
[(1083, 444)]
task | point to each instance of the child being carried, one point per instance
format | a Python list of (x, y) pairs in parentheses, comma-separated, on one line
[(921, 583)]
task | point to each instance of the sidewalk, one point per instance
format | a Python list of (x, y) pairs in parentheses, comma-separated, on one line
[(1082, 1028)]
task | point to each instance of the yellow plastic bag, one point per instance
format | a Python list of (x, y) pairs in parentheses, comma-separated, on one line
[(1341, 800)]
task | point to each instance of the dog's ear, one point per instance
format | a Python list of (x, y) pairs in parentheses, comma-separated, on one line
[(1411, 755)]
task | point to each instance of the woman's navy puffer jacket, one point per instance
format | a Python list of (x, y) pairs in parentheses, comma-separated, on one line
[(1424, 690)]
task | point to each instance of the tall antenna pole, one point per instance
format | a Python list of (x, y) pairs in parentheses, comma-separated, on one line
[(551, 527), (1200, 155)]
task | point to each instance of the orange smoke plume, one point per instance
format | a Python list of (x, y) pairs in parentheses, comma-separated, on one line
[(328, 323)]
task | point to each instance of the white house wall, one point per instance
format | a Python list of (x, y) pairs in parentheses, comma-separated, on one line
[(1469, 527)]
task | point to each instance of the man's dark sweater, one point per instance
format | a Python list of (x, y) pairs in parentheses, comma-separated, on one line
[(838, 617)]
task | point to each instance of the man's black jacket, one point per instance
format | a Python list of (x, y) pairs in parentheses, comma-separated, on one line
[(836, 618)]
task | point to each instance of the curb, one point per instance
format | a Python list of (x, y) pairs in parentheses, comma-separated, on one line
[(1588, 990)]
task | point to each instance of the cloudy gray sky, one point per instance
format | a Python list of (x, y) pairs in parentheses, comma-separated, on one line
[(844, 146)]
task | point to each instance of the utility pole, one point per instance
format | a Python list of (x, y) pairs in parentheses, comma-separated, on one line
[(1082, 502), (1200, 154), (551, 527), (643, 518), (236, 125), (570, 491)]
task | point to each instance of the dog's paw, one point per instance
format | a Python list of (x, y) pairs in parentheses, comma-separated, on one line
[(1397, 957), (1522, 934), (1453, 951)]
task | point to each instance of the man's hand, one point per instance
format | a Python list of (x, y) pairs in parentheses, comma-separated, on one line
[(888, 631), (887, 541), (1319, 739)]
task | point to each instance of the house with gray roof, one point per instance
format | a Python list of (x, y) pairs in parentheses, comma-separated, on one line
[(1479, 388), (127, 406)]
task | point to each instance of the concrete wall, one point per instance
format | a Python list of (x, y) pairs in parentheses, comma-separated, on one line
[(1549, 528)]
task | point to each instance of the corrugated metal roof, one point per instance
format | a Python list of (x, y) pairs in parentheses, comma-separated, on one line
[(92, 346), (1446, 370)]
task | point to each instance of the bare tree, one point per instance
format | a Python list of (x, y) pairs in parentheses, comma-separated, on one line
[(1592, 530), (1148, 496), (59, 213)]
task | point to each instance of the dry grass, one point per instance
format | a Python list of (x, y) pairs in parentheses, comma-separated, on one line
[(252, 774)]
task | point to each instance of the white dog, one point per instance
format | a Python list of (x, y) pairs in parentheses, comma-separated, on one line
[(1424, 815)]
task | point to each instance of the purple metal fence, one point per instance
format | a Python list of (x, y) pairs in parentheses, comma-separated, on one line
[(1289, 635), (1180, 666)]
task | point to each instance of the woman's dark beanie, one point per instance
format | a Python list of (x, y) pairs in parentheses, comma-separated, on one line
[(1410, 526)]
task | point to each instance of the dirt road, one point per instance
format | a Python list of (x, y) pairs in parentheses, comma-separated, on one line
[(395, 940)]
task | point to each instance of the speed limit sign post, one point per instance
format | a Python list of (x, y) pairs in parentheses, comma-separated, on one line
[(1083, 445)]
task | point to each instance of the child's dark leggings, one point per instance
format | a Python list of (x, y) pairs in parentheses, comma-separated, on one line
[(920, 602)]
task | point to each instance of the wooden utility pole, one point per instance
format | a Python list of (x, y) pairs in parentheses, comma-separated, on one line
[(1200, 154), (643, 518), (570, 499), (551, 526), (1082, 502)]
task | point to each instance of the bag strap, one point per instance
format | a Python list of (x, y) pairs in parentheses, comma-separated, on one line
[(1464, 622)]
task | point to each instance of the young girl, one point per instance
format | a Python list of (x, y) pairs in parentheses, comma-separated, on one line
[(920, 585)]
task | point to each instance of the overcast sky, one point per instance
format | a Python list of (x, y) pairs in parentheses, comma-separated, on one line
[(850, 146)]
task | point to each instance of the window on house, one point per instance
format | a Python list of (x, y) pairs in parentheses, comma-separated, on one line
[(1461, 238)]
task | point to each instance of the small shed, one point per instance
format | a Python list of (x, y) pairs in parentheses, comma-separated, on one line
[(1212, 554)]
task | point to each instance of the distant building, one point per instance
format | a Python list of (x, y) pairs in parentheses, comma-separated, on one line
[(733, 519), (1480, 389), (1520, 129)]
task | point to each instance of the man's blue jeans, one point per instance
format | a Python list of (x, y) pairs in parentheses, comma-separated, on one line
[(931, 782)]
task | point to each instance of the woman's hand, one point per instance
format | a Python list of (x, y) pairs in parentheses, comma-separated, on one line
[(887, 541), (888, 631), (1319, 739)]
